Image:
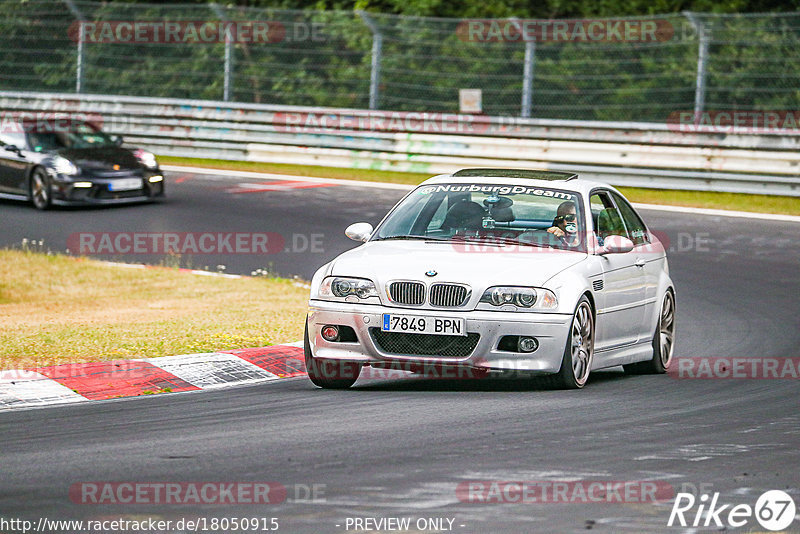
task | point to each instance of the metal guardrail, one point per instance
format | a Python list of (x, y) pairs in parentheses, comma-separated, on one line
[(633, 154)]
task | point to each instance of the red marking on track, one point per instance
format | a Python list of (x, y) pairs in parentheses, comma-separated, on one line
[(279, 360), (182, 178), (263, 187), (119, 378)]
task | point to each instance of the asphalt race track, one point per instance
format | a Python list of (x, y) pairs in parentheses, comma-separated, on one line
[(401, 447), (309, 221)]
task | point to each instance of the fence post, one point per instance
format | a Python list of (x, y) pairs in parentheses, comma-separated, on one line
[(527, 72), (377, 52), (702, 59), (227, 84), (79, 60), (527, 78)]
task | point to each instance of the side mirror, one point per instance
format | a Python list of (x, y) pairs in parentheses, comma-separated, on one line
[(117, 140), (616, 244), (13, 148), (359, 231)]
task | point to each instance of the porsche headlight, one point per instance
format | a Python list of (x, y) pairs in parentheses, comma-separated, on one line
[(350, 289), (146, 158), (521, 297), (64, 166)]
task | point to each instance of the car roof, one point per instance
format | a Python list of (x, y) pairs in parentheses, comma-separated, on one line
[(526, 174), (568, 181)]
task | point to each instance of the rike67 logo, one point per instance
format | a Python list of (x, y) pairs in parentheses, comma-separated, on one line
[(774, 510)]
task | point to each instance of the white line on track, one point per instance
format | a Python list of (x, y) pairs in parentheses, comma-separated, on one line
[(720, 213)]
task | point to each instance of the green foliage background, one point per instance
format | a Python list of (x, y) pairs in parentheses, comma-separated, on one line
[(753, 63)]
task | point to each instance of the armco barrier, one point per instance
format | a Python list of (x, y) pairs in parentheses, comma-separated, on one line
[(635, 154)]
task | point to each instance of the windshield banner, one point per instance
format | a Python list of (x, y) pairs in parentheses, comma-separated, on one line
[(495, 189)]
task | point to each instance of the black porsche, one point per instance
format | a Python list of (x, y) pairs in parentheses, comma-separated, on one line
[(63, 162)]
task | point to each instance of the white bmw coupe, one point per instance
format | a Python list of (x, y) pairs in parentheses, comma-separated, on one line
[(496, 270)]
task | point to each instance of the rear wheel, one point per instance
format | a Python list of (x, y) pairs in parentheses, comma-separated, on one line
[(40, 189), (578, 353), (329, 374), (663, 341)]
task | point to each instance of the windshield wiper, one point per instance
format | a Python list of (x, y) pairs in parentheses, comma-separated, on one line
[(489, 240), (420, 237), (496, 240)]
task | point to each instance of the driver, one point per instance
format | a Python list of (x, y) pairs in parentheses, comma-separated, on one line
[(565, 224)]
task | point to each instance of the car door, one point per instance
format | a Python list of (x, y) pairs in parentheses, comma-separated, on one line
[(12, 164), (620, 302), (649, 258)]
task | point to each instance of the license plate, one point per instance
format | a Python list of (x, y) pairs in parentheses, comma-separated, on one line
[(127, 184), (413, 324)]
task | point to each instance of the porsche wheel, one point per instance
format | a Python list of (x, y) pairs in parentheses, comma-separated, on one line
[(40, 189)]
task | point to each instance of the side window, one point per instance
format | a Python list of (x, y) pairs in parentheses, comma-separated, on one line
[(597, 205), (607, 220), (12, 138), (636, 228)]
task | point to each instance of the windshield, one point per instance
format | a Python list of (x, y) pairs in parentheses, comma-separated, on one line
[(507, 214), (45, 137)]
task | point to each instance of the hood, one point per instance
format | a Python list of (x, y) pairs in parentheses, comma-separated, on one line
[(101, 158), (477, 265)]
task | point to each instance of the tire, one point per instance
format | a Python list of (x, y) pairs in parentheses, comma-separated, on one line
[(663, 341), (41, 190), (329, 374), (579, 350)]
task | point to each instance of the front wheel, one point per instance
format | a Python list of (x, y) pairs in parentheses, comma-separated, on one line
[(40, 189), (329, 374), (578, 353), (663, 341)]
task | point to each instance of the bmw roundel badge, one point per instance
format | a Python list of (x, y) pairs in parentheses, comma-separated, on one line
[(431, 273)]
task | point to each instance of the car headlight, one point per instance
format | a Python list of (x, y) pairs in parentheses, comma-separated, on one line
[(148, 159), (351, 289), (64, 166), (521, 297)]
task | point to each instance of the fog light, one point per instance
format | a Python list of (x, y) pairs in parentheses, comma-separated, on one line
[(82, 184), (527, 344), (330, 332), (155, 178)]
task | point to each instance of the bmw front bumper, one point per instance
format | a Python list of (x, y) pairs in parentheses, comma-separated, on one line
[(550, 330)]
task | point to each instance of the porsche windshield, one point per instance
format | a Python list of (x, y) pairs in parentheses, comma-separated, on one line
[(505, 214), (45, 136)]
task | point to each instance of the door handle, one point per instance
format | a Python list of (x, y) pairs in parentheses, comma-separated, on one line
[(639, 262)]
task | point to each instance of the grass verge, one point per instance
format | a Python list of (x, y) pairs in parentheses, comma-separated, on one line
[(695, 199), (60, 309)]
